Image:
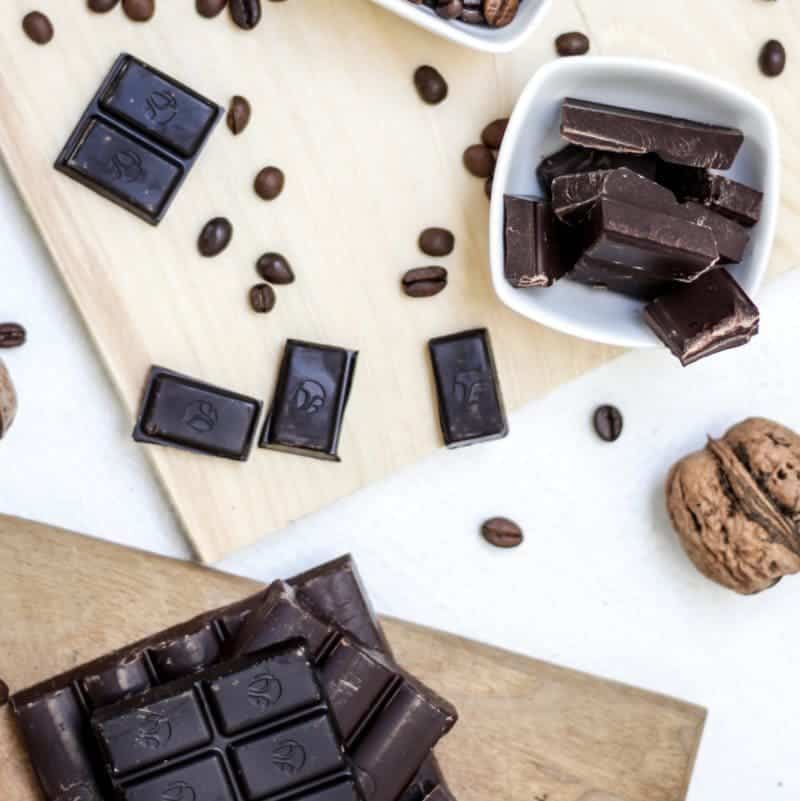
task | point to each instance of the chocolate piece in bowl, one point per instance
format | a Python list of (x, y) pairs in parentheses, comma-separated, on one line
[(708, 316), (621, 277), (673, 139), (731, 237)]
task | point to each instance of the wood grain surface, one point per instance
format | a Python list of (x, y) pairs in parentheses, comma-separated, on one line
[(368, 166), (527, 730)]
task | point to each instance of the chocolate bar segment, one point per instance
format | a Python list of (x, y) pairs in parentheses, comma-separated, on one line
[(139, 138), (310, 400), (673, 139), (184, 413), (731, 237), (619, 277), (708, 316), (468, 391)]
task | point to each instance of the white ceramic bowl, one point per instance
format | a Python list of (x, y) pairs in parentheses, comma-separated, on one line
[(533, 132), (478, 37)]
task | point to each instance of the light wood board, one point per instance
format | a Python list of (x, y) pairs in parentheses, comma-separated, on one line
[(527, 730), (368, 166)]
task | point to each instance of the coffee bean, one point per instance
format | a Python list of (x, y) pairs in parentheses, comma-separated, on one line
[(431, 86), (573, 43), (139, 10), (238, 114), (12, 335), (479, 161), (772, 59), (269, 183), (38, 27), (499, 13), (492, 135), (449, 9), (246, 13), (502, 532), (607, 422), (262, 298), (3, 693), (215, 236), (274, 268), (436, 242), (210, 8), (487, 186), (424, 282), (101, 6)]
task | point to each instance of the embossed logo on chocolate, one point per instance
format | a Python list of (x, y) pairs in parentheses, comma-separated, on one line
[(127, 166), (179, 791), (289, 756), (469, 386), (161, 107), (308, 398), (264, 691), (200, 416), (154, 731)]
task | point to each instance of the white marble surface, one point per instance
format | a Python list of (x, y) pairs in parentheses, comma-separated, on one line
[(600, 583)]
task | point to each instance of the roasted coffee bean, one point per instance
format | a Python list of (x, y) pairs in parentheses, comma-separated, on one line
[(436, 242), (238, 114), (449, 9), (139, 10), (502, 532), (479, 161), (607, 421), (269, 183), (424, 282), (274, 268), (12, 335), (772, 59), (262, 298), (487, 186), (101, 6), (492, 135), (215, 236), (246, 13), (38, 27), (431, 86), (499, 12), (210, 8), (3, 693), (573, 43)]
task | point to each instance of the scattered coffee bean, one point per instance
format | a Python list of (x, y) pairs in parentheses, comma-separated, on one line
[(431, 86), (449, 9), (424, 282), (238, 114), (274, 268), (502, 532), (3, 693), (499, 13), (215, 236), (38, 27), (487, 186), (607, 422), (493, 133), (269, 183), (772, 59), (12, 335), (101, 6), (573, 43), (139, 10), (246, 13), (436, 242), (262, 298), (479, 161), (210, 8)]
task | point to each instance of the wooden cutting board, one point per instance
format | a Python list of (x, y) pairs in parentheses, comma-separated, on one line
[(528, 730), (368, 166)]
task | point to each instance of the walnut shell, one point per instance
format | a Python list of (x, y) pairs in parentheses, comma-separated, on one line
[(736, 505), (8, 400)]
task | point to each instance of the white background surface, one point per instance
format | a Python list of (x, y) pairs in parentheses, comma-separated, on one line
[(600, 583)]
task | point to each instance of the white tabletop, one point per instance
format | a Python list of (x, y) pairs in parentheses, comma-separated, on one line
[(600, 583)]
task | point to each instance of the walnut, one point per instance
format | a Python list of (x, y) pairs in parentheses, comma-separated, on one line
[(736, 506), (8, 400)]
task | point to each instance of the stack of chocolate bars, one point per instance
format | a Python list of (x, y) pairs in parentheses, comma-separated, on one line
[(632, 207), (290, 694)]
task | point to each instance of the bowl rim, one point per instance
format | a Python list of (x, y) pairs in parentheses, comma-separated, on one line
[(502, 40), (661, 69)]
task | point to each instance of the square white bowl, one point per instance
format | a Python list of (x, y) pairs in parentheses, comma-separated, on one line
[(533, 133), (478, 37)]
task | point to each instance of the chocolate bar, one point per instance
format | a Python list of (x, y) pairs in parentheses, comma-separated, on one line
[(708, 316), (181, 412), (310, 400), (731, 237), (467, 388), (621, 277), (536, 252), (139, 138), (624, 130), (254, 728)]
